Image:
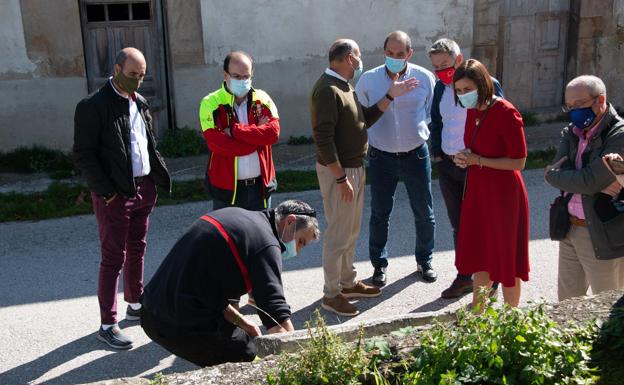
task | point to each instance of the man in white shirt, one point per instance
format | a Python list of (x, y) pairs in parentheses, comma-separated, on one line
[(398, 152)]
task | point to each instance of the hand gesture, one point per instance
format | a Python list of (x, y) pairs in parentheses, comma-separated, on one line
[(263, 120), (401, 88)]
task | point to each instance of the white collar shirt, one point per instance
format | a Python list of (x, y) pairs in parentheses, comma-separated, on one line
[(453, 121), (404, 124), (248, 165), (139, 153)]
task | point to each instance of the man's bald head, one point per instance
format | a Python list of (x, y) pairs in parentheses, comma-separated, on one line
[(130, 54), (342, 48), (237, 58)]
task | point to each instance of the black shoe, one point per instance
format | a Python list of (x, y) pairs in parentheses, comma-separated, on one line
[(133, 315), (427, 272), (379, 276), (114, 338)]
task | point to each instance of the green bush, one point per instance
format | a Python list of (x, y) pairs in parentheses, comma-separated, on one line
[(608, 352), (326, 359), (183, 141), (508, 346), (36, 159), (529, 118)]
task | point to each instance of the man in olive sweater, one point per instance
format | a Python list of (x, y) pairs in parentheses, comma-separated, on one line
[(339, 124)]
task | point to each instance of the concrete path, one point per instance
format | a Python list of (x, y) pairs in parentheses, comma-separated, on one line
[(48, 270)]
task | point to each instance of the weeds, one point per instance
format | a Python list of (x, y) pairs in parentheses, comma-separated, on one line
[(326, 359), (530, 118)]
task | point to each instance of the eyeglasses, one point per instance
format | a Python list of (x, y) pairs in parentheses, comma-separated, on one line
[(566, 108), (240, 77)]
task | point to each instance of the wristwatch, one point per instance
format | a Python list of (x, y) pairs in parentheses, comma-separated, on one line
[(390, 98)]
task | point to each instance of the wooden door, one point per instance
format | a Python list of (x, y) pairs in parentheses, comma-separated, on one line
[(534, 38), (110, 25)]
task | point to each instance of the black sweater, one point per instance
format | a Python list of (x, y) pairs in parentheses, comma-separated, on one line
[(191, 288)]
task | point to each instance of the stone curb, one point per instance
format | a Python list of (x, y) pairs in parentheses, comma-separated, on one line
[(291, 342)]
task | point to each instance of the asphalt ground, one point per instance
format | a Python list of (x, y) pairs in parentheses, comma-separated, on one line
[(48, 278)]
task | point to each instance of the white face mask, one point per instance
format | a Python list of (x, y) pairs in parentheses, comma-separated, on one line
[(291, 246)]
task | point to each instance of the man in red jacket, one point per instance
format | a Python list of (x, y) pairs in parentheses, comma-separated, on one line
[(239, 124)]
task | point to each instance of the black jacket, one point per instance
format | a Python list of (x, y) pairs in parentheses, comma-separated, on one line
[(192, 286), (102, 143)]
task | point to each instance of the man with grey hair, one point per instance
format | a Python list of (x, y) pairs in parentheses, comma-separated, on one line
[(398, 152), (115, 150), (447, 139), (591, 253), (187, 305), (339, 124)]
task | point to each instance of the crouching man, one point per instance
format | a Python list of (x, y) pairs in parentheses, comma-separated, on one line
[(223, 255)]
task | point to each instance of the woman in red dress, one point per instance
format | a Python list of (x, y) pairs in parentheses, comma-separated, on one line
[(493, 238)]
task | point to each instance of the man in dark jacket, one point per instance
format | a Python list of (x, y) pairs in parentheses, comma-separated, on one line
[(447, 125), (115, 149), (591, 254), (187, 305)]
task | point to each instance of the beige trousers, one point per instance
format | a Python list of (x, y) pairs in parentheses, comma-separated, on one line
[(343, 228), (579, 269)]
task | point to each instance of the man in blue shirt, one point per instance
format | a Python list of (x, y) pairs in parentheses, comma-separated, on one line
[(448, 120), (398, 151)]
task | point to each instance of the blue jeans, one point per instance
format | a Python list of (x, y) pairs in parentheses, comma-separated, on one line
[(385, 171)]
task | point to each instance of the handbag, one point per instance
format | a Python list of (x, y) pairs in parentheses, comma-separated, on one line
[(559, 224)]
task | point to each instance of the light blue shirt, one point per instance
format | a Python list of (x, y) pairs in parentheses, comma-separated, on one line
[(403, 126)]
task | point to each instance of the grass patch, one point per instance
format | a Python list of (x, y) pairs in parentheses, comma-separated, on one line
[(61, 199)]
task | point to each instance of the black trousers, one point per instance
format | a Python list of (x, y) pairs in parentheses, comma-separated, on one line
[(452, 186), (227, 343)]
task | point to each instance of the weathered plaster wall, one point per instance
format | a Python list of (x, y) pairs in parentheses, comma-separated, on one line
[(289, 41), (41, 72), (600, 44)]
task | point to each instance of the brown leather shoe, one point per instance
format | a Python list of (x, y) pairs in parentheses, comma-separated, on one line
[(458, 288), (361, 290), (339, 305)]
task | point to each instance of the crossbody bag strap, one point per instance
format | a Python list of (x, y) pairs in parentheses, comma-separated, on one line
[(233, 249)]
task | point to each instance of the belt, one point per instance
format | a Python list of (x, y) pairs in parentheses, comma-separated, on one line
[(410, 152), (140, 179), (250, 181), (448, 157), (576, 221)]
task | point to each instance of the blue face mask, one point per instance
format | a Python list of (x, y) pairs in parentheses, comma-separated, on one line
[(394, 65), (582, 117), (291, 247), (238, 87), (469, 99), (358, 71)]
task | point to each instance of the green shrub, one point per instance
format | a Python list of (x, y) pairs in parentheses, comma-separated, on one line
[(508, 346), (529, 118), (608, 352), (36, 159), (326, 359), (183, 141)]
